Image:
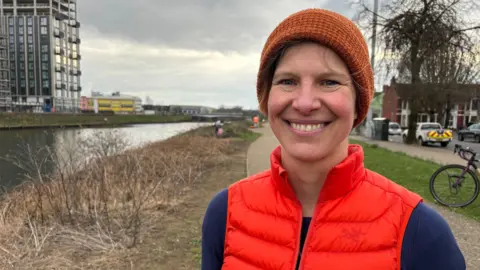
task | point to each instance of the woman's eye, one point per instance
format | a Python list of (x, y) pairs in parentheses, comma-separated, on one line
[(329, 83), (287, 82)]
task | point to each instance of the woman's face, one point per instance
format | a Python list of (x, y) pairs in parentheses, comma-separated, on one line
[(311, 104)]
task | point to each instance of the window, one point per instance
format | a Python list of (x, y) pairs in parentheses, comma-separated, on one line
[(12, 41), (22, 57), (10, 21), (20, 31), (29, 21), (22, 83), (44, 48), (43, 30), (30, 39), (32, 83), (45, 83), (30, 75), (58, 76), (30, 30), (30, 66), (44, 57), (22, 74), (430, 126), (43, 21), (12, 65), (20, 21), (30, 48), (20, 39), (58, 59), (44, 66), (57, 42), (11, 30), (44, 75), (30, 57), (21, 48), (22, 66), (12, 57)]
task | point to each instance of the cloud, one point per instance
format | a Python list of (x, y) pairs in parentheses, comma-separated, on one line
[(202, 52)]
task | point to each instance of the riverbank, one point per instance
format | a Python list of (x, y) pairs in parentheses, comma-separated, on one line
[(57, 120), (142, 208)]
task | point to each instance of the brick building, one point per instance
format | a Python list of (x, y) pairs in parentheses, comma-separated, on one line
[(395, 105)]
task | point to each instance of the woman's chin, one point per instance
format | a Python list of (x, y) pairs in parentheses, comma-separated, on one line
[(306, 152)]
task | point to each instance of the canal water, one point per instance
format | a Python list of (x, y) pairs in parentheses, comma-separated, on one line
[(23, 151)]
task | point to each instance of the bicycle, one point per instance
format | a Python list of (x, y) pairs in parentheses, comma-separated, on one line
[(455, 186)]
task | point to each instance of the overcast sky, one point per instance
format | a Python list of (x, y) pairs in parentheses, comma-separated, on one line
[(203, 52)]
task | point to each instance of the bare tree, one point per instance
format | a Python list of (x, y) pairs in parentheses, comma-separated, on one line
[(446, 77), (419, 30)]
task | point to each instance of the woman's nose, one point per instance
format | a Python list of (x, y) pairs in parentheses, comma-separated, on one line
[(306, 101)]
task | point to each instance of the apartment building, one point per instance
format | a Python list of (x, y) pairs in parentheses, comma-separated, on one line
[(43, 54), (5, 97)]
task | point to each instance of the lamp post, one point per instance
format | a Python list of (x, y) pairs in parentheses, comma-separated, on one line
[(368, 126)]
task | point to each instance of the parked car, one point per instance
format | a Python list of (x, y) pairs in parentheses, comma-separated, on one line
[(394, 129), (430, 132), (471, 132)]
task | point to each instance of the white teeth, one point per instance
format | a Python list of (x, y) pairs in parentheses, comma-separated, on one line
[(302, 127)]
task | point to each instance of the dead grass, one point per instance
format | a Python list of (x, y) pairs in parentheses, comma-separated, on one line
[(113, 210)]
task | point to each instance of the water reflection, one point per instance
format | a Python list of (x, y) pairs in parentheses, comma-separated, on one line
[(29, 146)]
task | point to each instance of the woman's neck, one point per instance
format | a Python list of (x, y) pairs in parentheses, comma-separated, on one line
[(307, 178)]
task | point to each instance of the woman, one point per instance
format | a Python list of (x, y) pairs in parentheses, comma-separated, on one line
[(317, 207)]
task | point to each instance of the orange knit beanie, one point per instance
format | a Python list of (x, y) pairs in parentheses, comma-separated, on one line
[(331, 30)]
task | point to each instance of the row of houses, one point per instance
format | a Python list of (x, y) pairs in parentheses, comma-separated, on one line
[(463, 110)]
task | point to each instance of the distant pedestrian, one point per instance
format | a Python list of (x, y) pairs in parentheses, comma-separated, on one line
[(318, 207), (218, 128)]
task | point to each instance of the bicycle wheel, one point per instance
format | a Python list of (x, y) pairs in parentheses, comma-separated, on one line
[(465, 190)]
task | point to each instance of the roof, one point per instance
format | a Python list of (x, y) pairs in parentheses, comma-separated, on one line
[(459, 92)]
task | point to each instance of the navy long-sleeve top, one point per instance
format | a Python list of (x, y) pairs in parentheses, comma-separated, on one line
[(428, 241)]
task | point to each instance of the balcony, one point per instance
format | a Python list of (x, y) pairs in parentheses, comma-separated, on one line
[(59, 85), (75, 56), (58, 33), (74, 40), (59, 51), (75, 88), (59, 68)]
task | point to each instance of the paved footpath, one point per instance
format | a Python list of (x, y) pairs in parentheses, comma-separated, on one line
[(467, 231)]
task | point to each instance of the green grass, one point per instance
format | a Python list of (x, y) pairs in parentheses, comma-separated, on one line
[(412, 173), (196, 249), (15, 120)]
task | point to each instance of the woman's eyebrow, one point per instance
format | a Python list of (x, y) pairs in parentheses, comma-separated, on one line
[(327, 73)]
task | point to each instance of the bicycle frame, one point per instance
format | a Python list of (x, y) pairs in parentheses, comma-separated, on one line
[(471, 163)]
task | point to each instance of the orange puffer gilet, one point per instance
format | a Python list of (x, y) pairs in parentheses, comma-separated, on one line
[(358, 223)]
